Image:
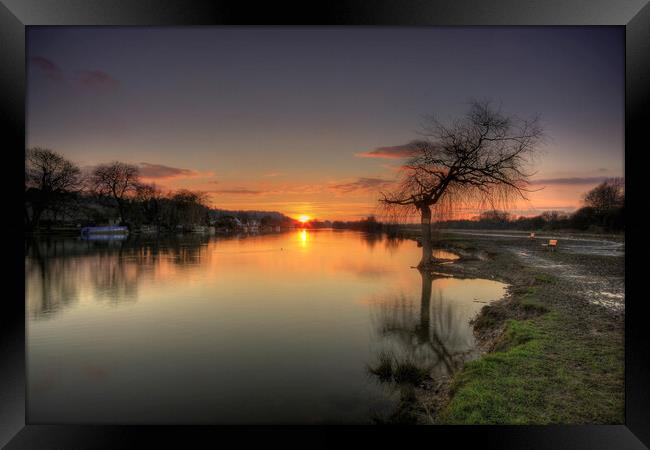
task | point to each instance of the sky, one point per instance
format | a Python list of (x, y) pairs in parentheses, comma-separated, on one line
[(306, 121)]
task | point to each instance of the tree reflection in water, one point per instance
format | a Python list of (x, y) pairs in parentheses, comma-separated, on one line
[(58, 269), (392, 243), (371, 239), (434, 340)]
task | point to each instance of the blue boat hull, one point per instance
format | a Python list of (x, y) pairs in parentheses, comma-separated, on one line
[(86, 231)]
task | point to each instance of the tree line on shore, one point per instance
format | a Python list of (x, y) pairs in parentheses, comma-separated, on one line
[(58, 193), (603, 210)]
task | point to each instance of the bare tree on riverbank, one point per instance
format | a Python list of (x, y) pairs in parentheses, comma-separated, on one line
[(479, 159), (607, 196), (117, 180), (50, 180)]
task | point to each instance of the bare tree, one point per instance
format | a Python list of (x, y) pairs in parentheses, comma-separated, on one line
[(606, 196), (479, 159), (185, 208), (49, 179), (117, 180), (149, 198), (192, 206)]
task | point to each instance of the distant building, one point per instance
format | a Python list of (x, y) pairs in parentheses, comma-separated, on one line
[(251, 226)]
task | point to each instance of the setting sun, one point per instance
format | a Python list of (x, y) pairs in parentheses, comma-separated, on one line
[(304, 219)]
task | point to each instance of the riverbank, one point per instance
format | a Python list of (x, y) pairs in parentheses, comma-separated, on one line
[(552, 350)]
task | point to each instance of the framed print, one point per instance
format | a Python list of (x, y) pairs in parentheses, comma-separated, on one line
[(247, 221)]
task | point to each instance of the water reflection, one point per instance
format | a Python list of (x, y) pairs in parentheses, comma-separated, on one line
[(435, 333), (303, 235), (426, 338), (392, 243), (248, 329), (47, 286), (371, 239), (57, 269)]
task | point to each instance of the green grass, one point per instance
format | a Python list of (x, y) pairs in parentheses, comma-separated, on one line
[(544, 370), (544, 278), (529, 303)]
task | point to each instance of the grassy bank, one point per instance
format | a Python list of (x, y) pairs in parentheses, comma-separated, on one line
[(545, 369), (550, 355)]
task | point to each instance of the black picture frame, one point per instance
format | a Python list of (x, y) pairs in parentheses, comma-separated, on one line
[(15, 15)]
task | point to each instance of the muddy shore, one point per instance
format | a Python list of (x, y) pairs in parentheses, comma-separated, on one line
[(559, 328)]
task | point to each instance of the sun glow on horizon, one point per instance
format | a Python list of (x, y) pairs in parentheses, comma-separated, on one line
[(304, 219)]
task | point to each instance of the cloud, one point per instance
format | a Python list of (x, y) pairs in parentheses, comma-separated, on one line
[(273, 174), (361, 184), (237, 191), (148, 170), (573, 181), (92, 79), (392, 152), (48, 67), (97, 79), (541, 208)]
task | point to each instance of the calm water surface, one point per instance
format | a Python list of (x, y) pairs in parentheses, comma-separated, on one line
[(264, 329)]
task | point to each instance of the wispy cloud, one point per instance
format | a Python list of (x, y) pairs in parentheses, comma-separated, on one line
[(48, 68), (571, 181), (273, 174), (361, 184), (148, 170), (237, 191), (88, 78), (391, 152), (97, 79)]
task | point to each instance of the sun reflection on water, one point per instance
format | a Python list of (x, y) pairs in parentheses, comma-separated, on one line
[(304, 238)]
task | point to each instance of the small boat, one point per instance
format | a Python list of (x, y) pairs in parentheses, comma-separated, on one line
[(87, 231), (104, 237)]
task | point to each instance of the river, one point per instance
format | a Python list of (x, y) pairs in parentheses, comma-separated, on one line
[(277, 328)]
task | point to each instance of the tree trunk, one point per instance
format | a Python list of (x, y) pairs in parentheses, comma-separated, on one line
[(120, 208), (28, 221), (36, 218), (425, 212)]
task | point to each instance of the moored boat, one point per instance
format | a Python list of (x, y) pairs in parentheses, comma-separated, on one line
[(85, 231)]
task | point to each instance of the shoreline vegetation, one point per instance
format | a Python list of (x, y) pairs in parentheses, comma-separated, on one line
[(548, 355)]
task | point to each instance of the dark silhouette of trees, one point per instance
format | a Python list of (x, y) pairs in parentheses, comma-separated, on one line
[(583, 218), (149, 199), (50, 181), (608, 195), (478, 159), (184, 209), (604, 206), (495, 217), (370, 225), (118, 181), (54, 185)]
